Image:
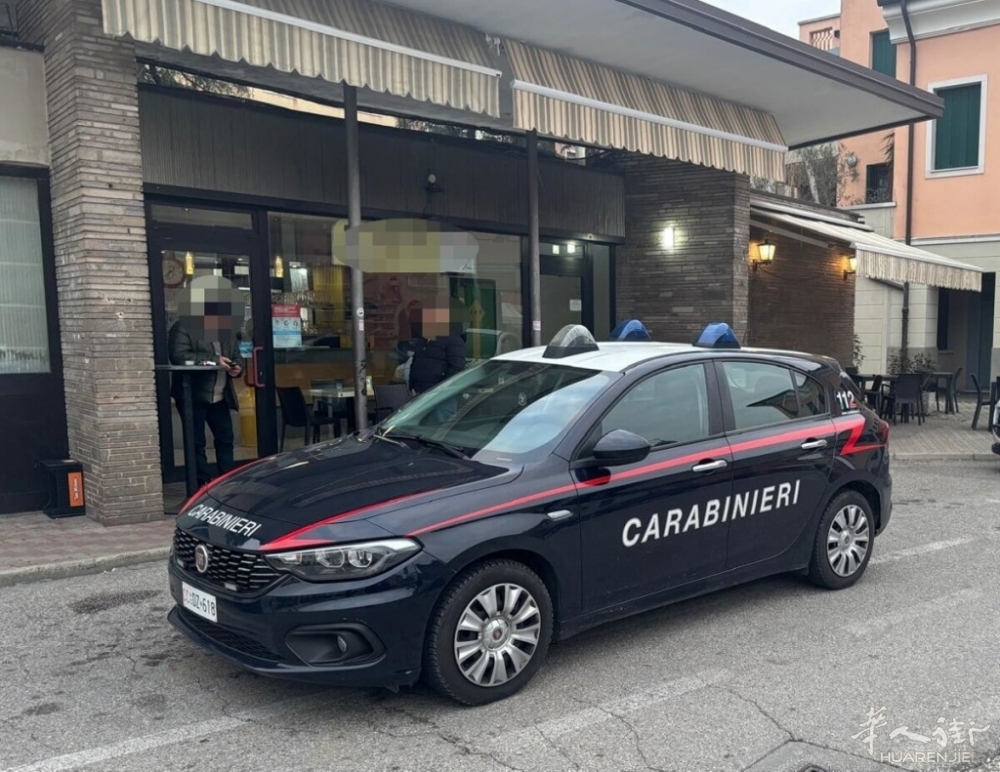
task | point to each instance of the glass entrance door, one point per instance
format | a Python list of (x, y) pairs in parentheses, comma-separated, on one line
[(211, 300), (567, 290)]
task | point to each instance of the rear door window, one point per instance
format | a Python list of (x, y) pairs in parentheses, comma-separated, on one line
[(762, 394)]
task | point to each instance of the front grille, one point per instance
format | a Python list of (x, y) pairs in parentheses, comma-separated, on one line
[(228, 638), (234, 571)]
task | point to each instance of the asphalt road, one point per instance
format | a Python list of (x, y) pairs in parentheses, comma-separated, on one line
[(768, 677)]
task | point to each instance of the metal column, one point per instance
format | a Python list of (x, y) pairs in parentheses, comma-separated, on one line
[(535, 273), (357, 275)]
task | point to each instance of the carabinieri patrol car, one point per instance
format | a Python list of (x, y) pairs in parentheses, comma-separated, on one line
[(531, 497)]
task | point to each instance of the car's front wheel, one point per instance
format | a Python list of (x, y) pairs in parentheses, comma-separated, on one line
[(844, 542), (489, 633)]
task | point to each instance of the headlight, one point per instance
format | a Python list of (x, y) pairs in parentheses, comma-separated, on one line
[(350, 561)]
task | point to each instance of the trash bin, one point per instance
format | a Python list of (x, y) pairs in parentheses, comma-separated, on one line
[(65, 487)]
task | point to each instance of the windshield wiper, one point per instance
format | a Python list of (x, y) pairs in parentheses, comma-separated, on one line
[(385, 438), (453, 450)]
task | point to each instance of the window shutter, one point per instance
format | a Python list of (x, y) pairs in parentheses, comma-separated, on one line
[(883, 54), (956, 136)]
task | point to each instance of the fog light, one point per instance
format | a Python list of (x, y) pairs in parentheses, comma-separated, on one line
[(348, 644)]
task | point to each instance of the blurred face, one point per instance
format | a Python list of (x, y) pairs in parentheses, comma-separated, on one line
[(211, 311)]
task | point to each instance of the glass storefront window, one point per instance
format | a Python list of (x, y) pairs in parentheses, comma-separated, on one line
[(24, 333), (311, 295)]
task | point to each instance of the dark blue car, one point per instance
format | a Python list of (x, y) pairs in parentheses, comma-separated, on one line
[(534, 496)]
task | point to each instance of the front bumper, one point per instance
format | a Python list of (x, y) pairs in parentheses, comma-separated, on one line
[(297, 630)]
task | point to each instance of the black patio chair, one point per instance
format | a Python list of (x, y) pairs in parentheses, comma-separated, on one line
[(873, 396), (980, 401), (295, 412), (906, 393), (389, 399), (949, 390)]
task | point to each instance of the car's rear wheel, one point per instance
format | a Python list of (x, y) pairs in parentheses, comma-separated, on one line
[(489, 633), (844, 542)]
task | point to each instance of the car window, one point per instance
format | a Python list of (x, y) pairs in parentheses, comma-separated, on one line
[(501, 407), (812, 395), (666, 409), (761, 394)]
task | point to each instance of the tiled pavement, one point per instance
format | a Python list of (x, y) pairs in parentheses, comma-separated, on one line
[(944, 436), (35, 546)]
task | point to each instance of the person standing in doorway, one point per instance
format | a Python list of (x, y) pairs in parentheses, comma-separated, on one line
[(205, 334)]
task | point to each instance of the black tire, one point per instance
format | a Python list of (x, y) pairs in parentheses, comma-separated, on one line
[(441, 669), (822, 570)]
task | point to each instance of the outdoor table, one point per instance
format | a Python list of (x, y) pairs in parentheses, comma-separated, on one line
[(187, 417)]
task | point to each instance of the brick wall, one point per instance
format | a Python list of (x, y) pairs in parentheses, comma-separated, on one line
[(101, 266), (703, 279), (801, 301)]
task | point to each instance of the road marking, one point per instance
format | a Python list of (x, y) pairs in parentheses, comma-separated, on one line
[(914, 613), (519, 739), (923, 549), (171, 736)]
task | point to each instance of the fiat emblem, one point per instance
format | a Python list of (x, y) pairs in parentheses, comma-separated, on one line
[(201, 558)]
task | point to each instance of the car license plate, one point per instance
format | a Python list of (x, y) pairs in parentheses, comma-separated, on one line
[(201, 603)]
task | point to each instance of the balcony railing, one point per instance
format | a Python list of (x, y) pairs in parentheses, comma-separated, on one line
[(826, 39)]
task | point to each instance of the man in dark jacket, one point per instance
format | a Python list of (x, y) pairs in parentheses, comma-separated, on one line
[(204, 335), (435, 361)]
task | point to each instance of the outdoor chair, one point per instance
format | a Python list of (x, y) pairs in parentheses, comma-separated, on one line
[(389, 399), (980, 401), (950, 391), (907, 393), (873, 396), (295, 412)]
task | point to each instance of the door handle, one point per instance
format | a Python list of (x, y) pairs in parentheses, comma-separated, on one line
[(814, 445), (562, 514), (258, 378), (710, 466)]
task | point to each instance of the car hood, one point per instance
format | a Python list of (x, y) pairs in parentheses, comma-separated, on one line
[(344, 481)]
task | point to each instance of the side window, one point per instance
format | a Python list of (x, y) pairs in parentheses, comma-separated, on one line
[(762, 395), (668, 408), (812, 396)]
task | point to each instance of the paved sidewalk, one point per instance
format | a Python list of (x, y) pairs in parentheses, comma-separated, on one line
[(34, 547), (944, 437)]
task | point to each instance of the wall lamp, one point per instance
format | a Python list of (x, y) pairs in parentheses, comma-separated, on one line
[(852, 266), (667, 237), (765, 254)]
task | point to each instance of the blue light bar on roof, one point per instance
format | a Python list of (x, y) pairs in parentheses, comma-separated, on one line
[(718, 335)]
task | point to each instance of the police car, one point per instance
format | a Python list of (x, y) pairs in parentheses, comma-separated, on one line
[(531, 497)]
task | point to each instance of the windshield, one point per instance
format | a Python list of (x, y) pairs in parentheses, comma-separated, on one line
[(504, 408)]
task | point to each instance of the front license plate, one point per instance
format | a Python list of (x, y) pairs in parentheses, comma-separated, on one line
[(201, 603)]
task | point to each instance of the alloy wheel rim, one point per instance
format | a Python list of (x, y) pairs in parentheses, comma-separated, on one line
[(848, 541), (497, 635)]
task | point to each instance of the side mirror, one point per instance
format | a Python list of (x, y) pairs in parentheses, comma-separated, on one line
[(621, 448)]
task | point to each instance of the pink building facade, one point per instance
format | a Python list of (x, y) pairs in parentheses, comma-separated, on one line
[(956, 171)]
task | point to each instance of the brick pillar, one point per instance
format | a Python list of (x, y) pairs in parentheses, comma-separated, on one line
[(99, 230), (703, 278)]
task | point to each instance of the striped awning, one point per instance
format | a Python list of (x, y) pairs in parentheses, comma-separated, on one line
[(580, 101), (358, 42), (883, 258)]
